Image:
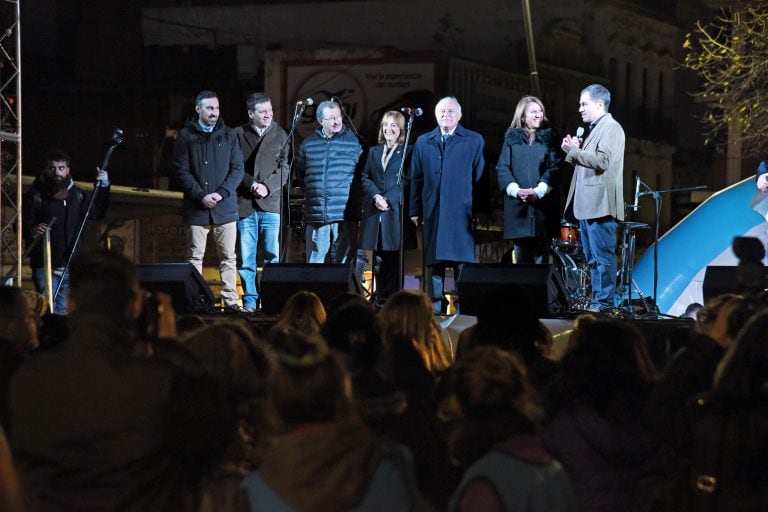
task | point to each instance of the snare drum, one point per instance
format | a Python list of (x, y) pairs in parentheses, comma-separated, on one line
[(569, 233)]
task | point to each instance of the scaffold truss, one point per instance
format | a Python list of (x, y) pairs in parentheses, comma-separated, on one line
[(10, 143)]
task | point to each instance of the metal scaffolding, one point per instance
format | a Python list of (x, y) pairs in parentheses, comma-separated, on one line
[(10, 143)]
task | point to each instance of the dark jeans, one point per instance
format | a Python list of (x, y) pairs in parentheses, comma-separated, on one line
[(598, 241)]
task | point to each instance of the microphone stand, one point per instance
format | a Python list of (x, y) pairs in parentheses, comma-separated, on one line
[(281, 155), (116, 140), (401, 181), (657, 198)]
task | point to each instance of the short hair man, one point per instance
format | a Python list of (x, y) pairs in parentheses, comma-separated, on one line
[(596, 196), (97, 421), (447, 163), (260, 194), (327, 162), (209, 167), (54, 195)]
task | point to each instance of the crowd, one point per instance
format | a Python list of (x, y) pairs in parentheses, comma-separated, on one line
[(341, 407)]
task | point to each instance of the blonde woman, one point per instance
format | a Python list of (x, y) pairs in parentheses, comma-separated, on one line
[(408, 313)]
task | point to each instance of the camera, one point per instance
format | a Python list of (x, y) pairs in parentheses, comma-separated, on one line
[(149, 320)]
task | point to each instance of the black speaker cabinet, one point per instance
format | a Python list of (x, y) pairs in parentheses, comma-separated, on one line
[(725, 279), (281, 280), (188, 290), (542, 282)]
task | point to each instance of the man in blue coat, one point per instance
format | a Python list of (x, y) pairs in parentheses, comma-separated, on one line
[(447, 163), (209, 167)]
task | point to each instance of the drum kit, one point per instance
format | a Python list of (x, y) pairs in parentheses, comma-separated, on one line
[(568, 259)]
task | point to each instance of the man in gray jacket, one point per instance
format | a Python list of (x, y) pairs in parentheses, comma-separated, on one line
[(596, 196), (262, 143), (209, 167)]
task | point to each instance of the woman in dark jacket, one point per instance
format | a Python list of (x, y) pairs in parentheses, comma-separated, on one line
[(528, 173), (383, 188)]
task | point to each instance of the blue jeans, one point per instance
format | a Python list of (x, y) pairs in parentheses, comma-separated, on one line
[(598, 241), (60, 302), (260, 230)]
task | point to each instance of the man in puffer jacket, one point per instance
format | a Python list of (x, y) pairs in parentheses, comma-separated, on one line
[(327, 163)]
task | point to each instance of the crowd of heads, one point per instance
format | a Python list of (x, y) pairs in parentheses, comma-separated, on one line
[(395, 373)]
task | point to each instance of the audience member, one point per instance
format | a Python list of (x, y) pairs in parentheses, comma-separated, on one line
[(322, 457), (595, 431), (240, 366), (729, 471), (408, 313), (104, 421), (507, 319), (10, 490), (18, 338), (691, 370), (303, 312), (494, 433)]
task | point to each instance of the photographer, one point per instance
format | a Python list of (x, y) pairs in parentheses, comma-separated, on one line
[(111, 419)]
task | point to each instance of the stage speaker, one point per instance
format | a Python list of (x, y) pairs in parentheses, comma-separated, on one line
[(725, 279), (281, 280), (543, 283), (188, 290)]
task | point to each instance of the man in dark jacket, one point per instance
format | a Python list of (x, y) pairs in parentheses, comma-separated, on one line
[(54, 195), (209, 167), (260, 194), (327, 162), (110, 420), (447, 163)]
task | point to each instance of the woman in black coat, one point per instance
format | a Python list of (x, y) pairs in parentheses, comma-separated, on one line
[(384, 195), (529, 175)]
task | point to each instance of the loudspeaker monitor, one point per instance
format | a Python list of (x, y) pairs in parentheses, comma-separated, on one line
[(543, 283), (188, 290), (281, 280), (725, 279)]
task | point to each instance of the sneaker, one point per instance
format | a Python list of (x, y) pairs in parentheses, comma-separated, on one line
[(234, 308)]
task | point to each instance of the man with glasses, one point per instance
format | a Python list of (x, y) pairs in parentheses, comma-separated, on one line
[(447, 164), (326, 162)]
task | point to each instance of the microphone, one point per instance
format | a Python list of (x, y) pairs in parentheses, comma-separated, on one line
[(580, 133), (637, 192), (307, 102), (412, 111)]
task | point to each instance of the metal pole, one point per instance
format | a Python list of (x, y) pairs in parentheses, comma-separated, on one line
[(535, 89)]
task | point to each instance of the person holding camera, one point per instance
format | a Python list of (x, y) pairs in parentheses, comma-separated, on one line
[(97, 422)]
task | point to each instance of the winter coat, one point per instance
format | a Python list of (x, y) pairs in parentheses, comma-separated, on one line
[(528, 165), (40, 206), (597, 186), (96, 428), (442, 183), (347, 469), (377, 180), (614, 462), (206, 163), (525, 477), (328, 168), (261, 166)]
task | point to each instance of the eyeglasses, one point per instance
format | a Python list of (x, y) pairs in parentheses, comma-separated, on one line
[(332, 119)]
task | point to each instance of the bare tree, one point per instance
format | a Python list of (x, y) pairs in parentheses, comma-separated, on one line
[(730, 55)]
